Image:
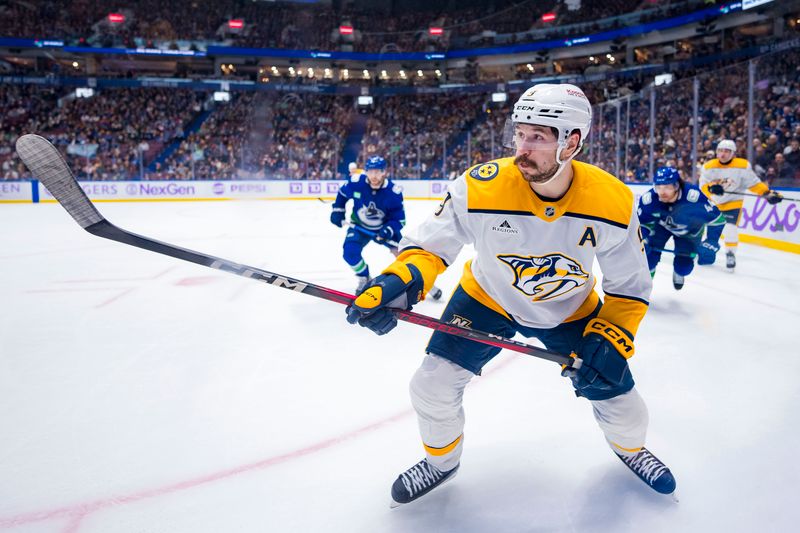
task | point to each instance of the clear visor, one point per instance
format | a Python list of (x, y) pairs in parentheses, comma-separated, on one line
[(525, 137)]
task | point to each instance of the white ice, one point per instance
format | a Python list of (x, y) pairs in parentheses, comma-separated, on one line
[(141, 393)]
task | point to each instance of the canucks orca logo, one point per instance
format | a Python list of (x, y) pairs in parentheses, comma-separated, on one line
[(673, 227), (545, 277), (371, 216)]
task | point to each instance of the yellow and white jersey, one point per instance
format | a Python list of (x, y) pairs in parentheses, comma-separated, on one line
[(735, 176), (534, 256)]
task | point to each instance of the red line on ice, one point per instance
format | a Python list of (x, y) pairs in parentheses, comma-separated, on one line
[(76, 513)]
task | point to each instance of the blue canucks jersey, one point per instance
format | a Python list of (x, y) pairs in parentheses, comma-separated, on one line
[(685, 217), (373, 208)]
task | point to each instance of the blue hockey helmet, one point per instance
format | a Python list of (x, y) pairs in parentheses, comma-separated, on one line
[(375, 162), (666, 176)]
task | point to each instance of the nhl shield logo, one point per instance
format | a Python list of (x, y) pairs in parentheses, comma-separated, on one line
[(549, 211), (545, 277)]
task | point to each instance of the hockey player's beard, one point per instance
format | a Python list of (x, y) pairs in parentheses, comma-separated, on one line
[(537, 175)]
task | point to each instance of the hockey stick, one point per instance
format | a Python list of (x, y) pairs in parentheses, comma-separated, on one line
[(668, 251), (46, 164), (373, 235), (783, 198)]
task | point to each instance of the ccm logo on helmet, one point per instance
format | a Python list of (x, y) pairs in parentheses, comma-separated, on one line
[(526, 108)]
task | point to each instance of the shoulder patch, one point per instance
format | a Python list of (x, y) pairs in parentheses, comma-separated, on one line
[(356, 178), (693, 195), (485, 172), (647, 198), (397, 189)]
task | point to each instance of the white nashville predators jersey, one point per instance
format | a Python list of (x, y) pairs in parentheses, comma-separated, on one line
[(736, 176), (534, 256)]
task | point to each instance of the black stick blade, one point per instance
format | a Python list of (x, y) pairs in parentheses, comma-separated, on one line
[(47, 165)]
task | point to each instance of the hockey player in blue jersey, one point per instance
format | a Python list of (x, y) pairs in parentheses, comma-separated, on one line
[(676, 209), (377, 210)]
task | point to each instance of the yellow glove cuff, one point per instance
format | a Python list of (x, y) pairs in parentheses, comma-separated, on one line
[(618, 337)]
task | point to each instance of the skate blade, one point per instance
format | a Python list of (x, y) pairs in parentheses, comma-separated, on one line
[(674, 497)]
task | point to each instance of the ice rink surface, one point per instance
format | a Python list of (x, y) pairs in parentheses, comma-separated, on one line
[(144, 394)]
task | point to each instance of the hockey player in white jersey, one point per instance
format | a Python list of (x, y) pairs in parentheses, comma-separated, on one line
[(723, 180), (537, 220)]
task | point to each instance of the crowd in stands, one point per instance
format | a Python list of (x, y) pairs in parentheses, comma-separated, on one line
[(264, 135), (722, 114), (303, 26), (148, 133), (23, 109), (110, 136), (415, 134)]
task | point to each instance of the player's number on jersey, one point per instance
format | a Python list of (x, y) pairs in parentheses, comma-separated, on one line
[(641, 237), (441, 205)]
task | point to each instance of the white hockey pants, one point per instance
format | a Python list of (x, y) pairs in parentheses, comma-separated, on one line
[(437, 390)]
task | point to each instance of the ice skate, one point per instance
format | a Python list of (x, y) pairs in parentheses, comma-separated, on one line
[(677, 281), (650, 470), (417, 481), (361, 283), (730, 260), (435, 293)]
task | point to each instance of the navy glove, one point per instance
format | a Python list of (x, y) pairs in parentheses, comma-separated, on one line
[(707, 253), (337, 217), (385, 234), (716, 189), (773, 197), (373, 306), (604, 350)]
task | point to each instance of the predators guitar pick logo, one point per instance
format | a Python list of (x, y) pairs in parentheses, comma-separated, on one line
[(545, 277)]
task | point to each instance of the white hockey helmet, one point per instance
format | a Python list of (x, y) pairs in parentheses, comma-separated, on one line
[(561, 106), (352, 166), (727, 144)]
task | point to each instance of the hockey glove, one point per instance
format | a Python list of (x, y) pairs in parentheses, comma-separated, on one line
[(385, 234), (773, 197), (373, 306), (337, 217), (707, 253), (716, 189), (604, 350)]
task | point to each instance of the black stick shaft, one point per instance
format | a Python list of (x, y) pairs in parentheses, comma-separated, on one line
[(785, 199)]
